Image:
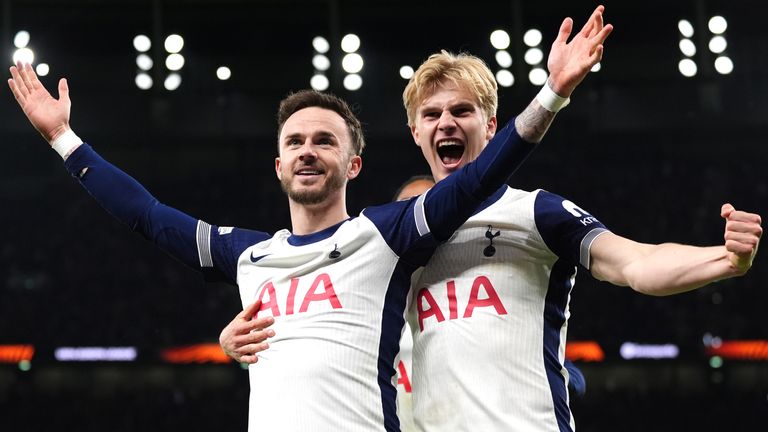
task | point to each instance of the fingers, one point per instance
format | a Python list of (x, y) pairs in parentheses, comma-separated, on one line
[(63, 91), (565, 31), (28, 75), (20, 90), (726, 210), (252, 310), (594, 23)]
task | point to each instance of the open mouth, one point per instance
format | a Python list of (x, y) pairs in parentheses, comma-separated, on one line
[(450, 152), (309, 172)]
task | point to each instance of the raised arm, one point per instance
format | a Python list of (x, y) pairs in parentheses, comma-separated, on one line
[(568, 64), (117, 192), (670, 268)]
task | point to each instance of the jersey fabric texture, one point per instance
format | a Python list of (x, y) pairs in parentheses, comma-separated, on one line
[(489, 317), (338, 296)]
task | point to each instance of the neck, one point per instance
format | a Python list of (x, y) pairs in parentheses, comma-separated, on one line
[(308, 219)]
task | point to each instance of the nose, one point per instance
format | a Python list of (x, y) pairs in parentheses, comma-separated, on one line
[(447, 121), (308, 153)]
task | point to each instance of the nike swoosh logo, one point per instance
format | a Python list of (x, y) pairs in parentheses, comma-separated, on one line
[(255, 259)]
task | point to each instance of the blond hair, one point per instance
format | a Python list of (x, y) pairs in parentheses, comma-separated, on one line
[(463, 70)]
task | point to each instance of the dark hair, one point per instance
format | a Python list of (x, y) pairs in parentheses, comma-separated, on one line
[(311, 98), (412, 180)]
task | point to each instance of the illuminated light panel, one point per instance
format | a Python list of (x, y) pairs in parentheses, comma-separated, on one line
[(630, 351), (537, 76), (687, 67), (321, 62), (724, 66), (172, 82), (88, 354), (350, 43), (144, 62), (685, 27), (532, 37), (406, 72), (740, 350), (504, 58), (500, 39), (199, 353), (533, 56), (16, 353), (174, 62), (353, 82), (144, 81), (717, 25), (174, 43), (223, 73), (718, 44), (352, 63), (687, 47), (505, 78), (21, 40), (142, 43), (24, 55), (42, 69), (587, 351), (320, 44), (319, 82)]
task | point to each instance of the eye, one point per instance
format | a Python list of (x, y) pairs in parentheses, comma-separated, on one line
[(431, 114), (462, 111), (294, 142)]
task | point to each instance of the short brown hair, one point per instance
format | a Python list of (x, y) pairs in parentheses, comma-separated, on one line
[(463, 70), (310, 98)]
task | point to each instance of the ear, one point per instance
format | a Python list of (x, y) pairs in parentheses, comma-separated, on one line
[(415, 134), (490, 128), (277, 168), (354, 167)]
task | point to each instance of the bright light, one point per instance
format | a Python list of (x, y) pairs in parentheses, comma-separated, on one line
[(142, 43), (718, 44), (25, 365), (715, 362), (406, 72), (500, 39), (533, 56), (505, 78), (532, 37), (353, 82), (687, 47), (503, 58), (174, 43), (596, 67), (319, 82), (537, 76), (321, 62), (320, 44), (685, 27), (174, 62), (350, 43), (352, 63), (687, 67), (717, 25), (144, 62), (724, 65), (21, 40), (172, 82), (223, 73), (42, 69), (24, 55), (144, 81), (630, 350)]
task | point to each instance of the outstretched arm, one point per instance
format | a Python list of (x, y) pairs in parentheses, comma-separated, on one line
[(246, 336), (674, 268), (568, 64)]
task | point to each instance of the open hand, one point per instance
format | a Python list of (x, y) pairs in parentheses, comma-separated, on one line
[(48, 115)]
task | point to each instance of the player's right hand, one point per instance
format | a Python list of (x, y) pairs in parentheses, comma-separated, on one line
[(245, 336), (48, 115)]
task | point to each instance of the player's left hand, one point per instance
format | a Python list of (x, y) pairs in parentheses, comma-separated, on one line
[(245, 336), (742, 236), (570, 62)]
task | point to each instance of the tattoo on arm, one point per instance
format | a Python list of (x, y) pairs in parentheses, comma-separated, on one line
[(533, 122)]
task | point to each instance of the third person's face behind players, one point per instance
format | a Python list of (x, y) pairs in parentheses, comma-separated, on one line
[(316, 157), (451, 129)]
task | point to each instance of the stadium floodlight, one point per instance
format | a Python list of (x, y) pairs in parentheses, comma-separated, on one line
[(42, 69), (352, 63), (685, 27), (500, 39), (532, 37), (174, 43), (21, 40), (321, 62), (142, 43), (503, 58), (23, 55), (596, 67), (174, 62), (537, 76), (533, 56), (320, 44), (406, 72), (718, 44), (143, 81), (144, 62), (223, 73), (319, 82), (717, 25), (172, 82), (353, 82), (350, 43), (687, 67), (687, 47), (505, 78), (724, 65)]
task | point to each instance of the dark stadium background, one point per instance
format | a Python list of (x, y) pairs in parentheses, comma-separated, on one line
[(652, 154)]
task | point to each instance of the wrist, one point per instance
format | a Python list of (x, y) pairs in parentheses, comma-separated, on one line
[(65, 143), (550, 100)]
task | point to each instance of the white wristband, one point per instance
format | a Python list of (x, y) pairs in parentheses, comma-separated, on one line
[(66, 143), (550, 100)]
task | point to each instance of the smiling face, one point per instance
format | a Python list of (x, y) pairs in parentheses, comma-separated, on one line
[(316, 157), (451, 129)]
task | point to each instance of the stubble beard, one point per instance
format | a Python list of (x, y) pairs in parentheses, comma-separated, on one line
[(312, 197)]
